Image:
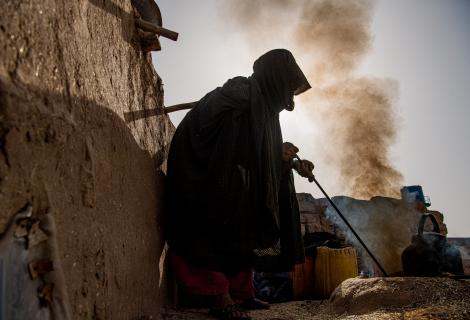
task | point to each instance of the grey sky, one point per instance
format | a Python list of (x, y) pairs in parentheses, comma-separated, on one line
[(423, 44)]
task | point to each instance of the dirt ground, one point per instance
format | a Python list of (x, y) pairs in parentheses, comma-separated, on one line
[(319, 310), (368, 299)]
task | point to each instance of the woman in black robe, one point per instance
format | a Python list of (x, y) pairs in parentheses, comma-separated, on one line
[(231, 198)]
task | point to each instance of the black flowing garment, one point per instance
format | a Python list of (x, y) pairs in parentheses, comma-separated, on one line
[(228, 190)]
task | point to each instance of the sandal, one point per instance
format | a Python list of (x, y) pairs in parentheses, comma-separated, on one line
[(230, 312), (254, 304)]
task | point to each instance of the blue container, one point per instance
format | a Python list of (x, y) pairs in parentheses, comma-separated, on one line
[(415, 191)]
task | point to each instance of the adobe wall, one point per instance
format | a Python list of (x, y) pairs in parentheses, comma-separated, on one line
[(68, 72)]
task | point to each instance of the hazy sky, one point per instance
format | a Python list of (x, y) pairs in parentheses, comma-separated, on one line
[(423, 44)]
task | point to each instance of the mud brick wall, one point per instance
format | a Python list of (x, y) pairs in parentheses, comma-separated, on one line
[(68, 72)]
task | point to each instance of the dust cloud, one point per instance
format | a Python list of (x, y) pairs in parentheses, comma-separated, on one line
[(360, 122), (336, 33), (356, 114)]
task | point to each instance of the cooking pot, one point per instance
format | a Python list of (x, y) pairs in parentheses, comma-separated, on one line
[(429, 253)]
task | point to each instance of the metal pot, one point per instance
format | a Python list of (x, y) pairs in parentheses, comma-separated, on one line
[(429, 253)]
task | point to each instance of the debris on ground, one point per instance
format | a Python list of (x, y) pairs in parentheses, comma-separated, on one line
[(363, 299)]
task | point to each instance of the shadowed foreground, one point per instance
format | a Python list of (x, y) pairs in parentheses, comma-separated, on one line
[(376, 298)]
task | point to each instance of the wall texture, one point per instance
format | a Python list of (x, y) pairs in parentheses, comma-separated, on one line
[(68, 72)]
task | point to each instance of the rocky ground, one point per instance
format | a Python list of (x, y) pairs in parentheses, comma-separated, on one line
[(364, 299)]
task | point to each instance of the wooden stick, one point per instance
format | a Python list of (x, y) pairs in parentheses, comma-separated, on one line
[(178, 107), (148, 26), (139, 114)]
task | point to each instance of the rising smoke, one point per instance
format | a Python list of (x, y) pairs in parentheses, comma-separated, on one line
[(357, 114), (385, 225), (359, 117), (336, 33)]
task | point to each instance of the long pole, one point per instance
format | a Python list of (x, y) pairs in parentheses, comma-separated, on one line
[(139, 114), (312, 178)]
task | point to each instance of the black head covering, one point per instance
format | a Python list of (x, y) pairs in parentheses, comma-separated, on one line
[(279, 78), (276, 79)]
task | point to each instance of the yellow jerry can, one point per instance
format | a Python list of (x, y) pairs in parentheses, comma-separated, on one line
[(333, 266)]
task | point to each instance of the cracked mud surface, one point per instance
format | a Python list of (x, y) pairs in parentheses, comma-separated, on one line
[(68, 72)]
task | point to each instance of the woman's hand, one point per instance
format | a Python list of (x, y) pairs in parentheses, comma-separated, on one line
[(289, 151), (304, 168)]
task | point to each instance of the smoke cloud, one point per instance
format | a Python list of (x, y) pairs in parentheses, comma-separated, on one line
[(335, 33), (357, 116), (385, 225)]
